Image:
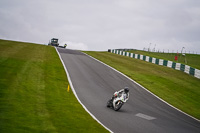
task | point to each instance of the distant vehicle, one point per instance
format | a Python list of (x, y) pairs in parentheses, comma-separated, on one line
[(54, 42), (63, 46)]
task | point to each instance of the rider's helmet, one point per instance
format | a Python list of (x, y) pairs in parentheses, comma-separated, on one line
[(126, 90)]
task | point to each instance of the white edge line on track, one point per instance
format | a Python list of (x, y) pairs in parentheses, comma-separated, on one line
[(144, 88), (72, 87)]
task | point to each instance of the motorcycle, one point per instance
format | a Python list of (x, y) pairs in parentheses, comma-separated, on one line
[(117, 102)]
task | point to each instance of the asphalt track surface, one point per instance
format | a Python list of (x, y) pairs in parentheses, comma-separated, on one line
[(95, 83)]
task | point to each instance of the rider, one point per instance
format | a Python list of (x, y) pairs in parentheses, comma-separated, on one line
[(125, 90)]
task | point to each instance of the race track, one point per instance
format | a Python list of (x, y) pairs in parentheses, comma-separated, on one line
[(95, 83)]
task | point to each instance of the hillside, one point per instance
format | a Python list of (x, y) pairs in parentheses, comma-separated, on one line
[(33, 92)]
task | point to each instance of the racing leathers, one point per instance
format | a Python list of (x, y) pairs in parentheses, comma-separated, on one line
[(117, 93)]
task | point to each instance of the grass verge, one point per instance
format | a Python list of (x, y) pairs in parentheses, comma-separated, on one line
[(33, 92), (177, 88)]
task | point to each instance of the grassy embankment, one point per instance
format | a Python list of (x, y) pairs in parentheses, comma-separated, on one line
[(192, 60), (33, 92), (176, 87)]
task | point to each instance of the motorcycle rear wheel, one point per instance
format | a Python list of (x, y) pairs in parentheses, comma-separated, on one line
[(109, 103)]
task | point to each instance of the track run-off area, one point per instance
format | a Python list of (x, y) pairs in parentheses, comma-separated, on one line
[(94, 83)]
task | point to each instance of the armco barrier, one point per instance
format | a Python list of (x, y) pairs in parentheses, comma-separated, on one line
[(178, 66)]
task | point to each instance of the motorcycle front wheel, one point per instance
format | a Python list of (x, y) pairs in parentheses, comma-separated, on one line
[(118, 105)]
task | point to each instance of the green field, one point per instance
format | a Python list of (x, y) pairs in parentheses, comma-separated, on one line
[(192, 60), (176, 87), (33, 92)]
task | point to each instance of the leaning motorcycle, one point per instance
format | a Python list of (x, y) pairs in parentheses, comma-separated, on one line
[(117, 102)]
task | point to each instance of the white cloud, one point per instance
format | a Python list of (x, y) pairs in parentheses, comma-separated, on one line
[(103, 24)]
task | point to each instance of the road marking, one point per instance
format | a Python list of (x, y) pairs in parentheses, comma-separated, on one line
[(147, 117)]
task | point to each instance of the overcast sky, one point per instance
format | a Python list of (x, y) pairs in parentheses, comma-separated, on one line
[(103, 24)]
